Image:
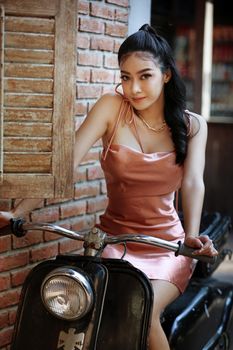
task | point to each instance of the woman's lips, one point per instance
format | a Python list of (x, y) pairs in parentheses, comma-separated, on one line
[(138, 99)]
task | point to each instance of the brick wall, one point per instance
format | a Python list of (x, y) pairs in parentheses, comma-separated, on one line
[(102, 25)]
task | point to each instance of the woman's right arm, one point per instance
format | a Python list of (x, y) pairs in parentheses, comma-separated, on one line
[(97, 124), (22, 208)]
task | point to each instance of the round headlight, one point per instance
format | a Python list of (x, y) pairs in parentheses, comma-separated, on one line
[(67, 293)]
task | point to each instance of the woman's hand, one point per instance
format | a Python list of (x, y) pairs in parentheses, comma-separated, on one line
[(5, 217), (202, 244)]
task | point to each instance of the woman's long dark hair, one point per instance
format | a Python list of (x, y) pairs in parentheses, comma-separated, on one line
[(147, 40)]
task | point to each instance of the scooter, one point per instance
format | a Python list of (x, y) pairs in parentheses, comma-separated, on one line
[(86, 302)]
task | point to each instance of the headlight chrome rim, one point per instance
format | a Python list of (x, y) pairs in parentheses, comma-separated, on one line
[(82, 281)]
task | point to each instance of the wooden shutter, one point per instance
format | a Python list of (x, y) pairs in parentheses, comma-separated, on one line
[(38, 40)]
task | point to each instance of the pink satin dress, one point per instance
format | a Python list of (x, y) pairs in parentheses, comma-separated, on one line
[(141, 189)]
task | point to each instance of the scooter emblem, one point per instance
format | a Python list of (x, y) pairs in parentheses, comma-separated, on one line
[(70, 340)]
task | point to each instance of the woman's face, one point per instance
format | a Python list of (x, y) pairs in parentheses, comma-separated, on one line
[(142, 80)]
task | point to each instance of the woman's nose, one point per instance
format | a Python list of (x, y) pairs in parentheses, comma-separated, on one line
[(136, 87)]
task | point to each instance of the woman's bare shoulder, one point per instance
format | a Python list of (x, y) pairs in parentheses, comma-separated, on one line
[(196, 123), (106, 108), (110, 100)]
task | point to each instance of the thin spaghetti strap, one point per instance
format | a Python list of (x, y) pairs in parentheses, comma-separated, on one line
[(190, 132), (189, 126), (121, 113)]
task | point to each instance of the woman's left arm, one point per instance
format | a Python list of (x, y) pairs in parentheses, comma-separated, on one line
[(193, 189)]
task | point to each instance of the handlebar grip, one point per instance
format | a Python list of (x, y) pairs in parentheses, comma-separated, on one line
[(17, 227), (188, 251)]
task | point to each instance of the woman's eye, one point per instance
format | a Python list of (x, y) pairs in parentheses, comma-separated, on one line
[(145, 76), (124, 77)]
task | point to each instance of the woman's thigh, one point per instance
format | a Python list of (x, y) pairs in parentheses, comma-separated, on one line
[(164, 293)]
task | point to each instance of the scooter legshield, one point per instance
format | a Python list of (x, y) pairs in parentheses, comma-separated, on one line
[(37, 329), (127, 309), (119, 319)]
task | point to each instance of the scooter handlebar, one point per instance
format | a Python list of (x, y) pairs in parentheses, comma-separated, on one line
[(19, 228), (188, 251)]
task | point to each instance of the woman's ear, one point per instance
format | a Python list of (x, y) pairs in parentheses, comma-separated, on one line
[(167, 76)]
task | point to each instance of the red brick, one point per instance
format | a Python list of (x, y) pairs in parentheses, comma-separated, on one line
[(111, 61), (16, 202), (98, 143), (91, 104), (4, 319), (117, 45), (5, 204), (103, 188), (13, 260), (108, 89), (9, 298), (83, 75), (97, 217), (121, 15), (50, 236), (91, 25), (5, 282), (90, 59), (73, 209), (56, 201), (36, 203), (116, 29), (80, 174), (102, 76), (91, 157), (83, 41), (96, 204), (69, 245), (124, 3), (12, 315), (5, 243), (32, 237), (80, 108), (48, 214), (83, 7), (117, 77), (95, 172), (18, 277), (65, 224), (83, 223), (5, 336), (44, 252), (88, 189), (102, 11), (88, 91), (78, 121), (102, 44)]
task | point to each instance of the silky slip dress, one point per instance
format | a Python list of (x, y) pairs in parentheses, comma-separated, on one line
[(141, 188)]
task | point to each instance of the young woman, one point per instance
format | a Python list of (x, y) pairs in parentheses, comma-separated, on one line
[(152, 147)]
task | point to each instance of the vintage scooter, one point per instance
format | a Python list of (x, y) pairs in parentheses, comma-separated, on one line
[(85, 302)]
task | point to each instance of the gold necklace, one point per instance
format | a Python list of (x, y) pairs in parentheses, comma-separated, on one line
[(161, 128)]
